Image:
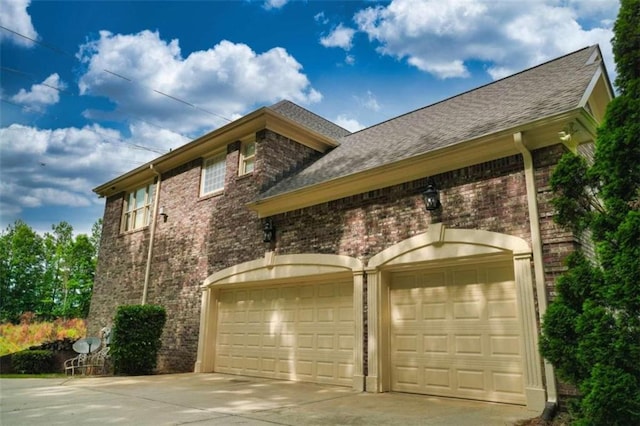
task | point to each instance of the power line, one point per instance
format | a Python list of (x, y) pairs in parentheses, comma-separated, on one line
[(175, 98), (32, 78), (127, 116)]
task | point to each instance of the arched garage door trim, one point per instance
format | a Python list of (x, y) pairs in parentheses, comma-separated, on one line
[(440, 243), (273, 269)]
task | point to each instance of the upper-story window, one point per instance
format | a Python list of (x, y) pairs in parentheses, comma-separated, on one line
[(247, 158), (213, 173), (137, 207)]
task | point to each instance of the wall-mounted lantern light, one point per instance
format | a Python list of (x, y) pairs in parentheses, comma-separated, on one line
[(268, 231), (163, 214), (431, 198)]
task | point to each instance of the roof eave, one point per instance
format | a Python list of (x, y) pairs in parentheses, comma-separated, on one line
[(263, 118), (540, 133)]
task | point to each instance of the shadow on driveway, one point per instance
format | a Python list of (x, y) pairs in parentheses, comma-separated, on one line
[(219, 399)]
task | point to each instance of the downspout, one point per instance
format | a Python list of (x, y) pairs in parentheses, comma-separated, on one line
[(538, 264), (156, 200)]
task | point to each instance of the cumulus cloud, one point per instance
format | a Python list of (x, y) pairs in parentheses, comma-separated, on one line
[(340, 36), (223, 81), (60, 167), (350, 124), (41, 95), (275, 4), (14, 15), (441, 38)]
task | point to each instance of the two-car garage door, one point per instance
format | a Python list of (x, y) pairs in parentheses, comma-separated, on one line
[(302, 332), (455, 332)]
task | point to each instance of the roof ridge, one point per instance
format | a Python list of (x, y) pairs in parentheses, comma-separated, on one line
[(474, 89)]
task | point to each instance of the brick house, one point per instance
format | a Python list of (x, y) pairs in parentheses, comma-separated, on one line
[(284, 246)]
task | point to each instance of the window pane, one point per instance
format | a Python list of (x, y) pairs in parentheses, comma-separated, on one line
[(249, 149), (139, 215), (136, 212), (248, 166), (213, 174), (140, 197)]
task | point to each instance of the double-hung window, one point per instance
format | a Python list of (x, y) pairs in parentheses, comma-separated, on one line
[(137, 207), (213, 174), (247, 158)]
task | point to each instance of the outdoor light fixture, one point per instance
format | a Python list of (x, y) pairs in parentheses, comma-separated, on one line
[(163, 214), (268, 231), (431, 198)]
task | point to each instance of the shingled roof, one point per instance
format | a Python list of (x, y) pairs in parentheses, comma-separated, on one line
[(308, 119), (543, 91)]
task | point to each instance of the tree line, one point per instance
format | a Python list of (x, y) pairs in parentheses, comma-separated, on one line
[(50, 275)]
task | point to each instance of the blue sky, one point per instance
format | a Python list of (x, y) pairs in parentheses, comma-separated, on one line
[(91, 90)]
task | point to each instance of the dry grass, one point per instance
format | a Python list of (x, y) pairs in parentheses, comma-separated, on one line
[(17, 337)]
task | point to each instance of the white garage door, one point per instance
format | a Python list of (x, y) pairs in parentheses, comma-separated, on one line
[(301, 332), (455, 332)]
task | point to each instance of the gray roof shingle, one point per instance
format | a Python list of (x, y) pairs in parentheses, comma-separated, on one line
[(308, 119), (546, 90)]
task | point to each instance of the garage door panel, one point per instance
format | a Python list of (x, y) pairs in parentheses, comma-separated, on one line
[(293, 332), (458, 335)]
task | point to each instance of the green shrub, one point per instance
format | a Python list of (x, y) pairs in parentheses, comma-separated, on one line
[(33, 362), (136, 338)]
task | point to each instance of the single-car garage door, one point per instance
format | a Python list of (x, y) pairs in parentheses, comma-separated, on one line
[(455, 332), (302, 332)]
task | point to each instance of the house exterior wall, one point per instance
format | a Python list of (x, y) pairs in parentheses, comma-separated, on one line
[(201, 235), (205, 235)]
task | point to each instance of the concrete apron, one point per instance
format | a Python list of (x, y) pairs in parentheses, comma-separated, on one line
[(220, 399)]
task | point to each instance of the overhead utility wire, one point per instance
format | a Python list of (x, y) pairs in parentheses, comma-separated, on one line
[(55, 49), (32, 77), (127, 116)]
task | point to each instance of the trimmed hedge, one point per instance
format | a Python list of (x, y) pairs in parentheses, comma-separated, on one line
[(136, 338), (33, 362)]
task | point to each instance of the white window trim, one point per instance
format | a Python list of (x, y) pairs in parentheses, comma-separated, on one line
[(242, 169), (220, 156), (129, 215)]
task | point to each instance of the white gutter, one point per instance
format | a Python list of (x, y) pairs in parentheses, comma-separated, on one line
[(538, 264), (154, 217)]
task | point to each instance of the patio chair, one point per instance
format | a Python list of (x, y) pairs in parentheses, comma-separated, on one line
[(78, 362)]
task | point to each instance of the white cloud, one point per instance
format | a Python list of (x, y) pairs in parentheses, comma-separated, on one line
[(369, 101), (41, 95), (321, 18), (43, 167), (14, 15), (350, 124), (441, 38), (224, 80), (340, 36), (275, 4), (349, 60)]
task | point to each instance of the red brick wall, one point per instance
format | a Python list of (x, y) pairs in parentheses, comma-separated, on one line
[(205, 235)]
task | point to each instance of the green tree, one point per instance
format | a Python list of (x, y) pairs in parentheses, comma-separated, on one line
[(21, 271), (51, 276), (592, 329)]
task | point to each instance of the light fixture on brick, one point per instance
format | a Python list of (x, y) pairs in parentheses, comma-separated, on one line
[(431, 197), (268, 231), (163, 214)]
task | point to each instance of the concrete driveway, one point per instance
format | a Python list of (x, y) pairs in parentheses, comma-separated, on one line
[(219, 399)]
